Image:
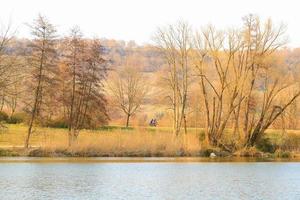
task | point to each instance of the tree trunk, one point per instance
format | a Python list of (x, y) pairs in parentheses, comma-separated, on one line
[(73, 135), (37, 93), (127, 120), (2, 102), (70, 134), (185, 124), (26, 145), (33, 113)]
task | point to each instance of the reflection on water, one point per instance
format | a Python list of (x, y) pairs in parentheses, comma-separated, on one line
[(149, 180)]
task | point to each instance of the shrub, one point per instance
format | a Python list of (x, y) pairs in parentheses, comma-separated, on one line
[(291, 142), (206, 151), (3, 116), (250, 152), (57, 123), (17, 118), (6, 152), (265, 145), (282, 154), (201, 136)]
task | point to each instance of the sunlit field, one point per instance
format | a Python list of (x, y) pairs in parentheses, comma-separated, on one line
[(134, 141), (112, 140)]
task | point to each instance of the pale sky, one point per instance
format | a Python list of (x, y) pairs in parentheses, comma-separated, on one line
[(138, 19)]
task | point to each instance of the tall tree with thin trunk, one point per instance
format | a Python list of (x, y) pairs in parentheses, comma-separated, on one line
[(43, 68)]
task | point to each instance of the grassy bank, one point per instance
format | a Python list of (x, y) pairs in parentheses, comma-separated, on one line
[(108, 141), (116, 141)]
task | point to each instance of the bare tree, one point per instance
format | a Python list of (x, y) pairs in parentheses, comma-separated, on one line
[(213, 59), (129, 88), (83, 90), (261, 40), (43, 68), (230, 67), (16, 88), (8, 62), (174, 42)]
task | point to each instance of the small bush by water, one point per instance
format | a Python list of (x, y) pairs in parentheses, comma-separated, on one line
[(265, 145), (6, 152)]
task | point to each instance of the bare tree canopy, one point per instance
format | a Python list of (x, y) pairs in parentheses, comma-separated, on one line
[(129, 88), (174, 41)]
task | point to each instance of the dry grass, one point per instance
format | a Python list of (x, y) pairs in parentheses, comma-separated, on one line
[(115, 142)]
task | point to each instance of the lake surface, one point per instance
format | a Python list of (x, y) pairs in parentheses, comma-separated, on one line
[(169, 179)]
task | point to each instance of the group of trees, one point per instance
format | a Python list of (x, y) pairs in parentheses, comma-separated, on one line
[(57, 77), (241, 86), (175, 45), (239, 79), (63, 78)]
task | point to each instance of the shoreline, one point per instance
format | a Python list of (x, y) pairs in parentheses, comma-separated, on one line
[(204, 155), (21, 159)]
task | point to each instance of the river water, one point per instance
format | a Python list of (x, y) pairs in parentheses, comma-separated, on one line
[(72, 179)]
